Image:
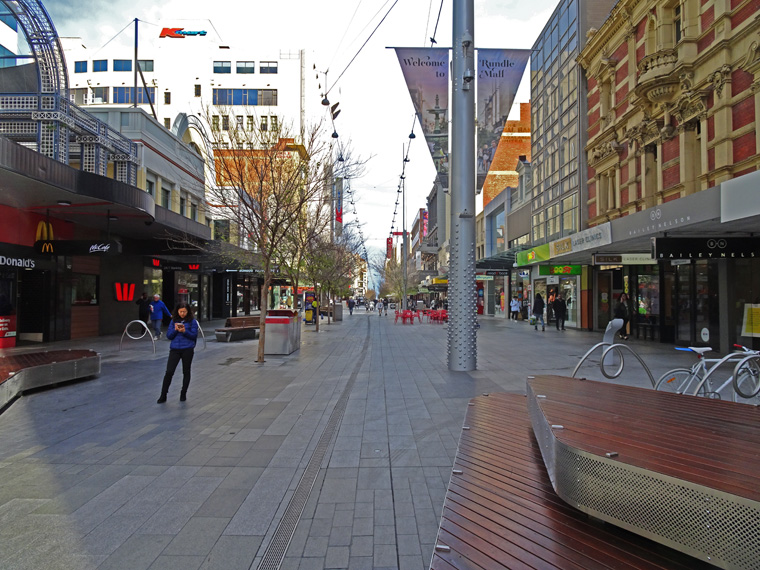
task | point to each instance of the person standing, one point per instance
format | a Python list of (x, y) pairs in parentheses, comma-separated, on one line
[(385, 307), (143, 308), (157, 312), (621, 312), (351, 304), (538, 311), (560, 311), (183, 332), (514, 308)]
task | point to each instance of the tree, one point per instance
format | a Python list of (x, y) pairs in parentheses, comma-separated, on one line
[(267, 179)]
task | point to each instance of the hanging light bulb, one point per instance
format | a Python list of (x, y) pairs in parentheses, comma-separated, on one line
[(335, 135), (412, 135)]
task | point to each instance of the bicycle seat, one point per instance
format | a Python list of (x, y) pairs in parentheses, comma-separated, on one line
[(698, 349)]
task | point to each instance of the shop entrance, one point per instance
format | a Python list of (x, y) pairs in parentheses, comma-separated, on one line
[(34, 319), (696, 302)]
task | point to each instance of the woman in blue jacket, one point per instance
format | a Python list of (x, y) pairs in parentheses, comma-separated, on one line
[(183, 332)]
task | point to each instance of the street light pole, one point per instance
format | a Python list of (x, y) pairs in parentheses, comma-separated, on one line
[(404, 253), (462, 323)]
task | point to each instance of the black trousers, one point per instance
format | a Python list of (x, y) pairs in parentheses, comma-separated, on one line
[(175, 355), (560, 322)]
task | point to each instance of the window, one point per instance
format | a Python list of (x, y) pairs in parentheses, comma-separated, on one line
[(80, 67), (166, 196), (222, 67), (222, 230), (126, 95), (168, 123), (246, 67), (268, 97), (194, 211), (215, 122), (100, 94), (268, 67), (273, 122), (167, 97), (150, 187), (264, 123), (78, 95), (145, 64), (182, 205), (122, 65), (677, 23), (245, 97), (100, 65), (569, 214), (249, 123), (84, 289), (197, 90), (239, 122), (225, 123)]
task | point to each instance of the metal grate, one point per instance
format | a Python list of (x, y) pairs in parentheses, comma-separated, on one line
[(711, 525), (278, 546)]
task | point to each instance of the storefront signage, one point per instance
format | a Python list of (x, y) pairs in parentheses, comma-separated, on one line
[(24, 262), (497, 272), (484, 278), (173, 266), (440, 281), (179, 33), (77, 247), (8, 331), (706, 248), (560, 269), (583, 240), (534, 255), (623, 259), (124, 291), (751, 320)]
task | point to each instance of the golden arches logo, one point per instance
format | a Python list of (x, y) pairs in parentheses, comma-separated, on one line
[(47, 247), (45, 232)]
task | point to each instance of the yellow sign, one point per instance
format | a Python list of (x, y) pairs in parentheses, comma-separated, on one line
[(44, 231), (751, 321), (440, 281)]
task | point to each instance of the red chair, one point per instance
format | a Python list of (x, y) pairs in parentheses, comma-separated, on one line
[(444, 316), (396, 320), (434, 316), (419, 316)]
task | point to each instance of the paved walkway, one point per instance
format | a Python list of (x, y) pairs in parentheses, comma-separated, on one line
[(347, 445)]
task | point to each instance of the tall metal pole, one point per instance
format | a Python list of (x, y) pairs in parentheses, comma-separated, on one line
[(405, 253), (462, 323), (134, 103)]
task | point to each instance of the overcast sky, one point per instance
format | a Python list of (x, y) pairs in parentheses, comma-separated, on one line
[(377, 113)]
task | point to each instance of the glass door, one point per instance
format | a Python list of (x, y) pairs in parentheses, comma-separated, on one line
[(604, 301), (684, 317)]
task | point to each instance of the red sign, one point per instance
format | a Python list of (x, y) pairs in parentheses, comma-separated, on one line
[(125, 291), (178, 33), (389, 248), (156, 262), (193, 266), (8, 331)]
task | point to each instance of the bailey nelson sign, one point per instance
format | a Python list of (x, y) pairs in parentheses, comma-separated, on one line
[(706, 248)]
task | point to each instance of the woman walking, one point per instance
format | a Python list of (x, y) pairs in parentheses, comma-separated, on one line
[(183, 332), (538, 311), (621, 312)]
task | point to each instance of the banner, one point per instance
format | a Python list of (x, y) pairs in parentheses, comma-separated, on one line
[(389, 248), (338, 197), (426, 71), (499, 74)]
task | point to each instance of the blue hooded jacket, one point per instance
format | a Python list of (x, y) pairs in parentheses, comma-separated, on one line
[(185, 339), (159, 310)]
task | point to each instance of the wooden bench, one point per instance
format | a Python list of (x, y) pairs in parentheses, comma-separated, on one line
[(238, 328), (502, 512)]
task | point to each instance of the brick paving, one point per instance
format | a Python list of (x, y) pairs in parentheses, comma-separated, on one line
[(97, 475)]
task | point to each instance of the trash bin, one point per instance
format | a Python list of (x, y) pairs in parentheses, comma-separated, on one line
[(337, 312), (283, 332)]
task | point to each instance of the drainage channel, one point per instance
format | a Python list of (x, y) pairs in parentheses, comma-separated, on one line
[(278, 546)]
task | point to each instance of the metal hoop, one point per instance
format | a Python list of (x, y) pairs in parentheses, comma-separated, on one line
[(145, 330), (619, 371)]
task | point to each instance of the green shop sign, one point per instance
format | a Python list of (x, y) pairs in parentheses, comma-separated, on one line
[(559, 269), (534, 255)]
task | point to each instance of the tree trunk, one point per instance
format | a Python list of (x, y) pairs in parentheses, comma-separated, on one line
[(263, 313)]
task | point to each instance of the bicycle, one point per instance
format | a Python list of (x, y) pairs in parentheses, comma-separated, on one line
[(698, 380)]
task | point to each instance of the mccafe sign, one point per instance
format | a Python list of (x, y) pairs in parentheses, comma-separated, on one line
[(705, 248)]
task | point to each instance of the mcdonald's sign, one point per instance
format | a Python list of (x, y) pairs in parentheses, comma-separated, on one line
[(45, 246), (77, 247), (125, 291), (44, 231)]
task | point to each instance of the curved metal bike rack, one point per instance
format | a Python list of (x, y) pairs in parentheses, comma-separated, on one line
[(145, 330), (610, 348), (737, 369)]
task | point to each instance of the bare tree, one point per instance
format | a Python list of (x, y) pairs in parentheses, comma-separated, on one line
[(267, 179)]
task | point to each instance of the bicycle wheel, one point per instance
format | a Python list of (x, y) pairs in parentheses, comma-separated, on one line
[(678, 381), (747, 380)]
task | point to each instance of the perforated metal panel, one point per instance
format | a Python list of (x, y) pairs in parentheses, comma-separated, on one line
[(711, 525)]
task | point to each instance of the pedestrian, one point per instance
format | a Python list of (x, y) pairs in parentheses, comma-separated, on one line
[(385, 307), (514, 307), (183, 332), (143, 308), (560, 311), (351, 304), (157, 312), (621, 312), (538, 311), (314, 310)]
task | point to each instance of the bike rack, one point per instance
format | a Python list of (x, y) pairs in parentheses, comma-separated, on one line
[(608, 351), (738, 368), (146, 330)]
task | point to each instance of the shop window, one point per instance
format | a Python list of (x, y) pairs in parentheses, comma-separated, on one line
[(145, 64), (100, 94), (84, 289)]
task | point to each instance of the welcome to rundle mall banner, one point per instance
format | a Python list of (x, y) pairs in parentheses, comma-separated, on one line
[(499, 74), (426, 71)]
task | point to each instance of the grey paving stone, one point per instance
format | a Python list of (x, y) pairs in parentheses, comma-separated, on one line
[(164, 562), (340, 536), (223, 502), (197, 537), (316, 546), (362, 546), (137, 553), (337, 557), (385, 556)]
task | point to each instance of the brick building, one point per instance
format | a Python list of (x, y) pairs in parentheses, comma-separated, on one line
[(673, 100), (514, 142)]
